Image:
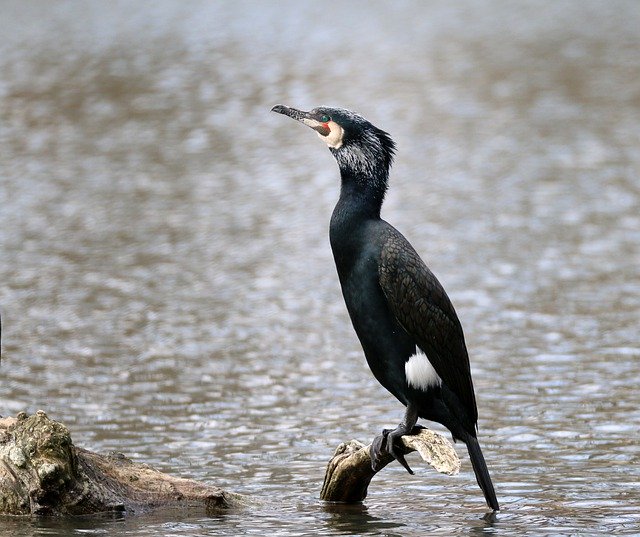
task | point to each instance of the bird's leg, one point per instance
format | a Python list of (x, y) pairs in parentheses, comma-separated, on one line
[(386, 441), (406, 427)]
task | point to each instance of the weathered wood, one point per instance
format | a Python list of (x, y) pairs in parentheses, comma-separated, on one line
[(349, 472), (43, 473)]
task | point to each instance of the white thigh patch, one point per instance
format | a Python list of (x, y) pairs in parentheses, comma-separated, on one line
[(420, 373)]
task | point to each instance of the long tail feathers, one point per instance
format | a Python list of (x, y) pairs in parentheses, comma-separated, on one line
[(481, 471)]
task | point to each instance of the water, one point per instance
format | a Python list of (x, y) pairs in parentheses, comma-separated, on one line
[(168, 289)]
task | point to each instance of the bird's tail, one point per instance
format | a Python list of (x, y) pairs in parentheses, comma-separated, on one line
[(481, 471)]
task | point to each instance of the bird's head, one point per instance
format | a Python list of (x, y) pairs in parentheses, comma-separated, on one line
[(356, 144)]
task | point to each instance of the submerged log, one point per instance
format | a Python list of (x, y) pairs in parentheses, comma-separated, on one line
[(43, 473), (349, 472)]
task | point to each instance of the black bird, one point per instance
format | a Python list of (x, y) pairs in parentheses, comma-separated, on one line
[(409, 331)]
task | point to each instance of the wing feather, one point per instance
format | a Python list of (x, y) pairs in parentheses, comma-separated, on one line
[(422, 307)]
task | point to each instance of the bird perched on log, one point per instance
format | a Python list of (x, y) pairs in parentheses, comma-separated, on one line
[(409, 331)]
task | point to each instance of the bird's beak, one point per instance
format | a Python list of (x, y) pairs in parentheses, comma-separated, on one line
[(303, 117)]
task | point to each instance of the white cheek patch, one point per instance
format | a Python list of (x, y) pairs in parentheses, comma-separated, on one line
[(334, 138), (420, 373)]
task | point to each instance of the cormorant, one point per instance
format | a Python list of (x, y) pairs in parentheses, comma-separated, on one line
[(409, 331)]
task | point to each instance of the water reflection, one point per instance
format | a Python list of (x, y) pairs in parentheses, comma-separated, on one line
[(355, 519)]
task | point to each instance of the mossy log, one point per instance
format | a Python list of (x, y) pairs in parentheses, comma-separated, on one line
[(43, 473), (349, 472)]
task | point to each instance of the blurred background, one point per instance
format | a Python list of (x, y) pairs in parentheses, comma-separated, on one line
[(167, 287)]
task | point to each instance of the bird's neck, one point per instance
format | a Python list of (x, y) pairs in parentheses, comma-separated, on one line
[(361, 196), (359, 204), (364, 175), (364, 178)]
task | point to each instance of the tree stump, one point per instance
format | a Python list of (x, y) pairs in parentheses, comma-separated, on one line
[(349, 472)]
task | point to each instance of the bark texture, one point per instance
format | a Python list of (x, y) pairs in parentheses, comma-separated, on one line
[(43, 473)]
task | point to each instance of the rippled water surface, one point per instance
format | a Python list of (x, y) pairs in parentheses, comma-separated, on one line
[(167, 288)]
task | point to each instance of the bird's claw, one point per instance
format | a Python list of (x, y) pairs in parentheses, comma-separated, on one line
[(393, 450), (386, 443)]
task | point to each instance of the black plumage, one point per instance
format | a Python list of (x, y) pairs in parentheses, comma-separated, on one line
[(399, 310)]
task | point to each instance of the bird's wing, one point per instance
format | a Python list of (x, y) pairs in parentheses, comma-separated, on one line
[(422, 307)]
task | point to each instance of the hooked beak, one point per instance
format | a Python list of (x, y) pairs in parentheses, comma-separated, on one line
[(303, 117)]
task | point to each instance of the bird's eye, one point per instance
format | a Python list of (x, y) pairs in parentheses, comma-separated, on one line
[(325, 118)]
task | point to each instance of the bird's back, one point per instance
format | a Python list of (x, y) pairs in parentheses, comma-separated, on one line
[(420, 304)]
